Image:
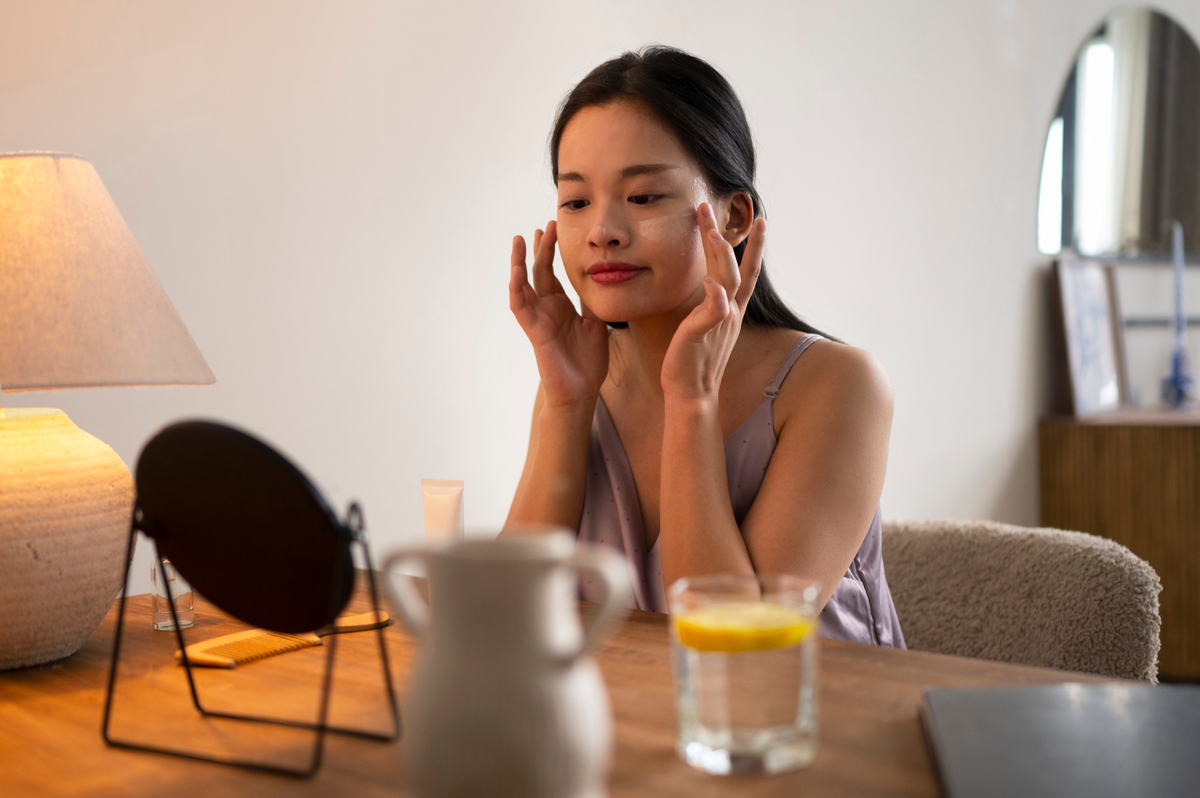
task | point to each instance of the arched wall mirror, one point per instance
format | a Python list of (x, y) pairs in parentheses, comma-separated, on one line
[(1118, 205), (1122, 153)]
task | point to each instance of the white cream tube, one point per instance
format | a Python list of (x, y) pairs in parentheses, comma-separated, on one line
[(443, 502)]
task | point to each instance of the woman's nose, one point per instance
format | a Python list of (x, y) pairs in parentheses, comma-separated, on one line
[(609, 230)]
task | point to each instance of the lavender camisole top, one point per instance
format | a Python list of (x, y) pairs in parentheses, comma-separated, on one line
[(861, 608)]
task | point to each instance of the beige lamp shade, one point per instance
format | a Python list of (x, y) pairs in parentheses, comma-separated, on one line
[(79, 304)]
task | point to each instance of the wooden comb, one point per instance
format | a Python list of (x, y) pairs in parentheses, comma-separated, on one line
[(228, 651)]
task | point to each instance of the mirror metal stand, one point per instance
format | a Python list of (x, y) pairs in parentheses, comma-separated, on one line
[(355, 528)]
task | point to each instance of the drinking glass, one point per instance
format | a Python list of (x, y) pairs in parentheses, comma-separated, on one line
[(744, 649), (181, 591)]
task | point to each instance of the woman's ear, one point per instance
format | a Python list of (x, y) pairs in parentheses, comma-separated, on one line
[(741, 218)]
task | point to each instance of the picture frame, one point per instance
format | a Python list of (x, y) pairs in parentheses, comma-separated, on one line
[(1093, 332)]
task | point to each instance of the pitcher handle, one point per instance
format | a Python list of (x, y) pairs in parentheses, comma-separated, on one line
[(405, 598), (614, 572)]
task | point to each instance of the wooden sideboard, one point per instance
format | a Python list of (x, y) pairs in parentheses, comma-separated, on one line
[(1135, 478)]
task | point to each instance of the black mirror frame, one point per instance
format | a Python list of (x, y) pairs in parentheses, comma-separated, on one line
[(354, 530)]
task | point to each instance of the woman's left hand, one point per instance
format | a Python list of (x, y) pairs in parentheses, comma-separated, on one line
[(699, 351)]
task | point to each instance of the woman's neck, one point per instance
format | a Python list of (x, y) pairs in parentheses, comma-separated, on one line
[(648, 341), (644, 348)]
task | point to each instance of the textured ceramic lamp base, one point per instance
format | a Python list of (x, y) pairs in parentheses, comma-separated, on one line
[(65, 500)]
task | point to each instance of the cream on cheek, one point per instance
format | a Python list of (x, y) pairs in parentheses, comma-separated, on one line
[(671, 245), (679, 231), (673, 239)]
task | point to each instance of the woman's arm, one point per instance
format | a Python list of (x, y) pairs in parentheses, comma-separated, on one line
[(697, 529), (822, 487), (820, 491), (552, 482), (824, 479), (698, 533)]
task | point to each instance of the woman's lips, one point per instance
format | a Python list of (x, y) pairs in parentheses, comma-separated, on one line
[(611, 273)]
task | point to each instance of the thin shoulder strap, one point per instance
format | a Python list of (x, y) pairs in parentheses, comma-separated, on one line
[(798, 348)]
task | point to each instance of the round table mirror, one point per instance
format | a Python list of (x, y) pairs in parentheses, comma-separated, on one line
[(244, 526)]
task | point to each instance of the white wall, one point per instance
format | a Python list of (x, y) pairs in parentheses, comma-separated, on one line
[(327, 191)]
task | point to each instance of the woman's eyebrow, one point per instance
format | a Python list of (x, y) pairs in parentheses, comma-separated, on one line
[(626, 173), (646, 169)]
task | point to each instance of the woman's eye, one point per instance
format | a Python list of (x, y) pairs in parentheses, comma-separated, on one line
[(574, 205), (643, 199)]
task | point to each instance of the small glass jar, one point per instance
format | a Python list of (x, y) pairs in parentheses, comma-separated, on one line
[(181, 592)]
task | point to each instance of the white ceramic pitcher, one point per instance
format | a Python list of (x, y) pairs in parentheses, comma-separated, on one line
[(504, 700)]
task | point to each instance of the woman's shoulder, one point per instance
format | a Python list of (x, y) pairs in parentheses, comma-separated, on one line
[(833, 379)]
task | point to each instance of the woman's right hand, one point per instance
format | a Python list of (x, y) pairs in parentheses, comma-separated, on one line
[(571, 349)]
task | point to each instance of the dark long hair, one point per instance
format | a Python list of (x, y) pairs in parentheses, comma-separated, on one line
[(696, 103)]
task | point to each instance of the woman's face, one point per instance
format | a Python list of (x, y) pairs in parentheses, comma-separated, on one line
[(628, 232)]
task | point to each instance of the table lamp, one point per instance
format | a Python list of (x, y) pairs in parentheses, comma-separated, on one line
[(79, 308)]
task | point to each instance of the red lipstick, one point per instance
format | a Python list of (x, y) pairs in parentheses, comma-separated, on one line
[(610, 273)]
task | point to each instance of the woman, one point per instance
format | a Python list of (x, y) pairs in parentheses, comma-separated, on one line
[(676, 419)]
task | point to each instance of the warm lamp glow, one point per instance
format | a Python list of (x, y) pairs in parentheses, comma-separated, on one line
[(79, 304), (79, 307)]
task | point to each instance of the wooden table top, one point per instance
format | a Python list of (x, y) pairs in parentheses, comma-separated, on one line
[(871, 741)]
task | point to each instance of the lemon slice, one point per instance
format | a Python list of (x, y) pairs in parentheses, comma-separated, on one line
[(742, 626)]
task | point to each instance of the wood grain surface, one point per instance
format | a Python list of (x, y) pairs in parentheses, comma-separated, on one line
[(871, 741), (1135, 480)]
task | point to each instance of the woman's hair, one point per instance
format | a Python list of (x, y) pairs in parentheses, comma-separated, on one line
[(697, 104)]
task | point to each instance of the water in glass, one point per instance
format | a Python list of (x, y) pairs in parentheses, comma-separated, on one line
[(744, 650)]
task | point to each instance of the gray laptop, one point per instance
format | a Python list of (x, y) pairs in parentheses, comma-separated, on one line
[(1065, 740)]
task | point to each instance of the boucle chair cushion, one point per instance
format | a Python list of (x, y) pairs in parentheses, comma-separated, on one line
[(1031, 596)]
